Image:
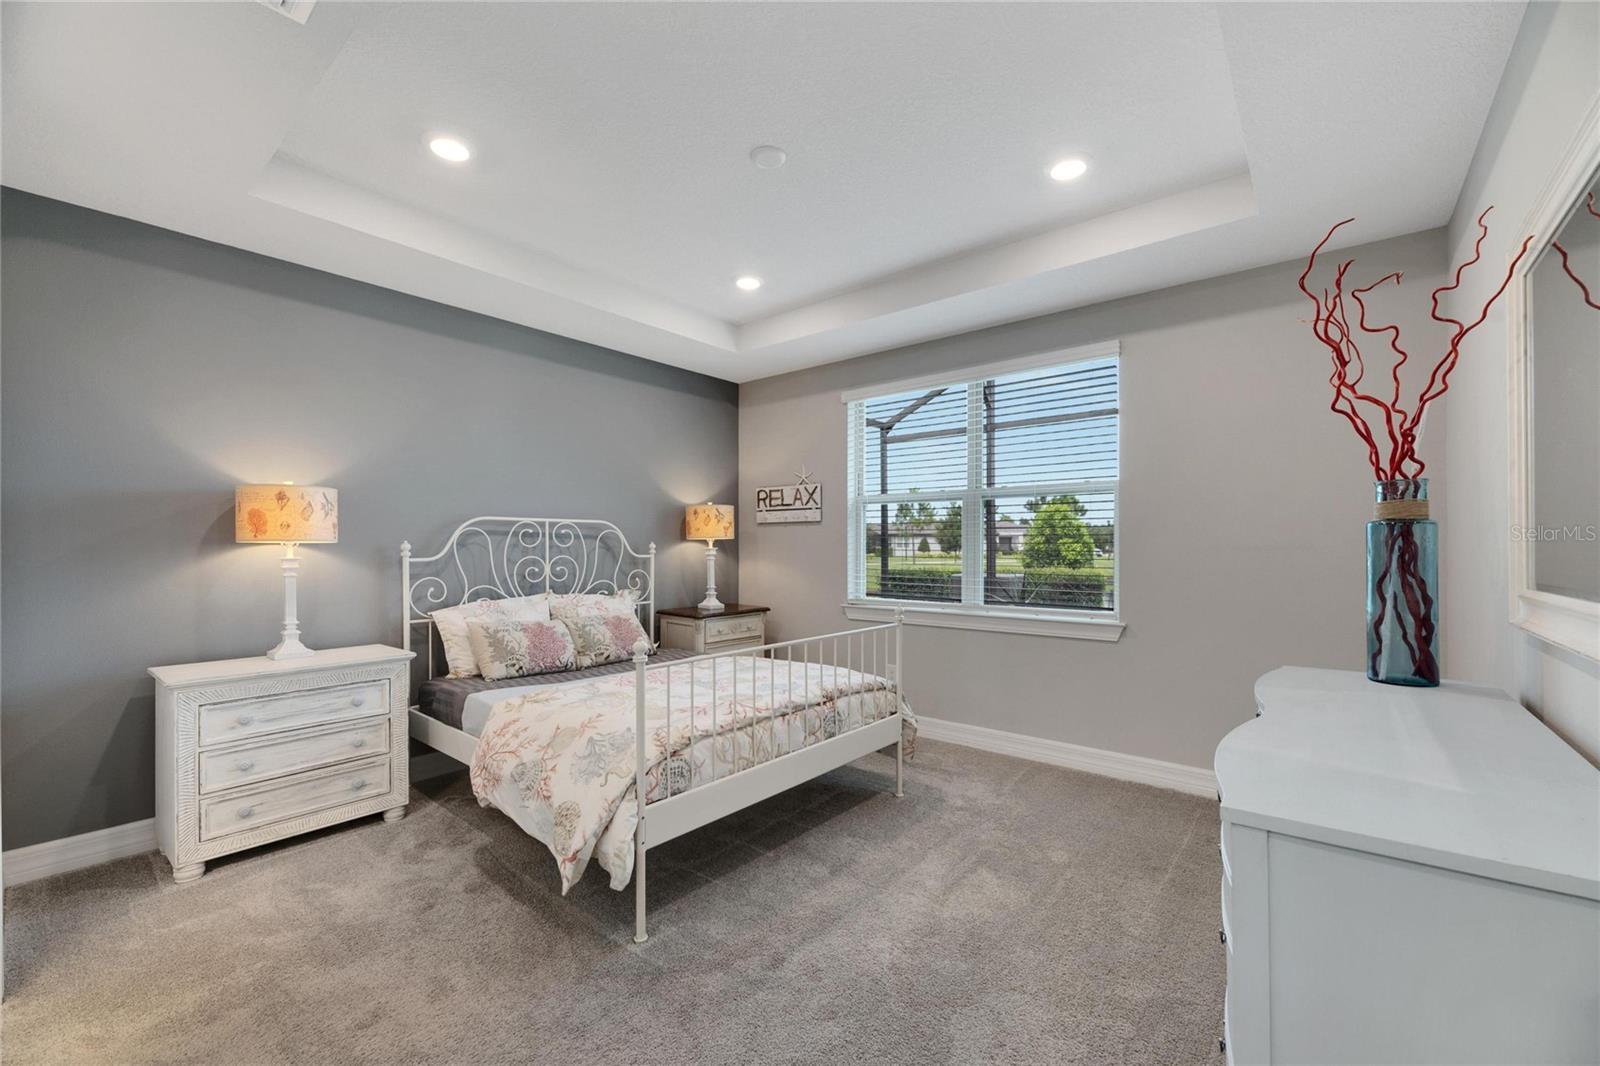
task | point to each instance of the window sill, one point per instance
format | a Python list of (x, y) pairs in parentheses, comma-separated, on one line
[(1075, 626)]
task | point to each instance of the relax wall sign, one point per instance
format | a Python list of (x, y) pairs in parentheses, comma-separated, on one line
[(800, 502)]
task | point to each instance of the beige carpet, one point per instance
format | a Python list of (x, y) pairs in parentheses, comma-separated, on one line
[(1003, 911)]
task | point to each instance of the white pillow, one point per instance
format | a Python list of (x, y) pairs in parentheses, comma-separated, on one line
[(451, 623)]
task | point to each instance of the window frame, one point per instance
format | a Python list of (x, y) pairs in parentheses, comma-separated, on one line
[(972, 612)]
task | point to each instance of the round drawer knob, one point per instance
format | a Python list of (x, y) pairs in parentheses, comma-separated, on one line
[(246, 719), (359, 742), (357, 701), (245, 812), (244, 766), (358, 786)]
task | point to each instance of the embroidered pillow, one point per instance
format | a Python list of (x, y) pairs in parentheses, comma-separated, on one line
[(604, 628), (506, 647), (451, 622)]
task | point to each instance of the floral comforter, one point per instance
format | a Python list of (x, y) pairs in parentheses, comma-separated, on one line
[(560, 760)]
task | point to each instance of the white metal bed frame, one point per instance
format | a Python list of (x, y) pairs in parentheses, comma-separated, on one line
[(571, 555)]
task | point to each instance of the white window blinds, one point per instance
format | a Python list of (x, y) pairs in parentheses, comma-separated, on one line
[(998, 492)]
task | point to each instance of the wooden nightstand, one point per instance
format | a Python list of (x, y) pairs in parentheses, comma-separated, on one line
[(738, 625), (249, 751)]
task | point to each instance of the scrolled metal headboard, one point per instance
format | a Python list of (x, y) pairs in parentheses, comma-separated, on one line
[(495, 557)]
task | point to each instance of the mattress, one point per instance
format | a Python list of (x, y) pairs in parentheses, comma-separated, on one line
[(450, 699)]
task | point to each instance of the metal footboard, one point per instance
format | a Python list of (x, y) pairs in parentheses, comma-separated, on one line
[(827, 667)]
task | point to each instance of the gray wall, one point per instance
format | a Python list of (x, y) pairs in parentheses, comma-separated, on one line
[(146, 373), (1243, 508), (1551, 79)]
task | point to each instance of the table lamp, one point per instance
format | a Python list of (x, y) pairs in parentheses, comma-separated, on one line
[(286, 514), (709, 522)]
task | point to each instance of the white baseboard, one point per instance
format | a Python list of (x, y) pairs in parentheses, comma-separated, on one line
[(119, 841), (53, 857), (74, 853), (1192, 779)]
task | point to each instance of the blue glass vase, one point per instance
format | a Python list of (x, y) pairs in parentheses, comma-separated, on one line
[(1402, 586)]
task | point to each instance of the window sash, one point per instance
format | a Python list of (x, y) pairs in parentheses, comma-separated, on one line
[(974, 547)]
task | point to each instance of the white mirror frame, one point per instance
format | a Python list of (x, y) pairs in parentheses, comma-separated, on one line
[(1565, 621)]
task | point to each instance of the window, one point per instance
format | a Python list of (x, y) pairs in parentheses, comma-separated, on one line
[(995, 493)]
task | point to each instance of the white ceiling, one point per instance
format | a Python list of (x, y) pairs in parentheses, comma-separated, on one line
[(611, 197)]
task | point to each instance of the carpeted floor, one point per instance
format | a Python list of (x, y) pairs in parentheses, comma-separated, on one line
[(1003, 911)]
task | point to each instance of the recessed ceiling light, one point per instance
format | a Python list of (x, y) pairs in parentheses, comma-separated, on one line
[(449, 149), (1069, 169), (748, 283), (768, 156)]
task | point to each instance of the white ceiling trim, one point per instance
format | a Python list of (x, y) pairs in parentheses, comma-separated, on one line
[(1230, 200), (297, 187), (289, 183)]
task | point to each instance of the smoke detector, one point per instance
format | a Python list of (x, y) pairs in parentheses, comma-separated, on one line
[(768, 156)]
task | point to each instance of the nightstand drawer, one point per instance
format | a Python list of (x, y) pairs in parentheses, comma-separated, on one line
[(232, 767), (239, 812), (741, 627), (221, 722)]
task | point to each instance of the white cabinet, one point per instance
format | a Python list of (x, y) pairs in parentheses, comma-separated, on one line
[(249, 751), (1409, 876)]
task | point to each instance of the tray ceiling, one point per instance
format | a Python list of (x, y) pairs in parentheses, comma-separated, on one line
[(611, 196)]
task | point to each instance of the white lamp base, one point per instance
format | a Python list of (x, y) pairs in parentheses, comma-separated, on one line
[(711, 603), (290, 647)]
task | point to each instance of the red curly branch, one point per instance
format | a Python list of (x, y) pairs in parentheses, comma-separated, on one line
[(1322, 325), (1390, 328), (1348, 385), (1566, 265), (1330, 325), (1447, 363), (1346, 338), (1398, 441), (1477, 253), (1336, 313)]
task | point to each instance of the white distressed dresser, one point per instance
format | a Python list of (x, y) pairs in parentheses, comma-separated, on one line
[(1408, 876), (249, 751)]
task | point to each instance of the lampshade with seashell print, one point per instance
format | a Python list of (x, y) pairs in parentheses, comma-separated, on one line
[(708, 522), (285, 514)]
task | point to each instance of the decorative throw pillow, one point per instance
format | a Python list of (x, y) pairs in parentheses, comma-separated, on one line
[(604, 628), (451, 622), (505, 647), (603, 602)]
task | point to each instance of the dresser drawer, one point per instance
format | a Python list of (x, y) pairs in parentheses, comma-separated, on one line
[(239, 812), (237, 719), (232, 767), (725, 630)]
